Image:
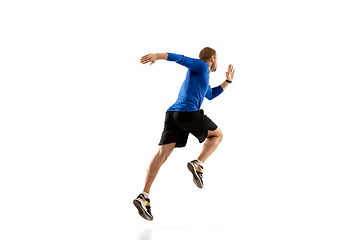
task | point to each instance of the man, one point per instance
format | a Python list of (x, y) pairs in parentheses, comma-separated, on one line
[(185, 117)]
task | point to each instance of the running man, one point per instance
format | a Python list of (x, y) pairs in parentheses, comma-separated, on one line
[(185, 117)]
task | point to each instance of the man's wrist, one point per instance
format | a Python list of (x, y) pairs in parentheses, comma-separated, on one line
[(163, 56), (227, 80), (225, 84)]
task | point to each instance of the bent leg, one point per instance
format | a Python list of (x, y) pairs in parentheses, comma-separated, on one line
[(155, 164), (213, 140)]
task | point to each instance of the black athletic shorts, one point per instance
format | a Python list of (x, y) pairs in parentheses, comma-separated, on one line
[(178, 125)]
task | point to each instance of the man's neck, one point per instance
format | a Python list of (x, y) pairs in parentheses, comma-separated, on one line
[(209, 64)]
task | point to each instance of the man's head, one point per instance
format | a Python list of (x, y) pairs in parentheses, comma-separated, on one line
[(209, 56)]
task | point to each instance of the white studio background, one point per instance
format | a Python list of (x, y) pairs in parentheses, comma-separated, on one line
[(80, 119)]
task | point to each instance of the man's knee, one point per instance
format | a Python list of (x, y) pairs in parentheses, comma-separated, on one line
[(217, 133), (165, 150), (221, 135)]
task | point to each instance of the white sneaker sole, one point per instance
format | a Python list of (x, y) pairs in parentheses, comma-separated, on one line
[(196, 177), (142, 210)]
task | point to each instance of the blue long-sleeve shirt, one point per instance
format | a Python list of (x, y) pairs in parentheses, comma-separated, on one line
[(196, 85)]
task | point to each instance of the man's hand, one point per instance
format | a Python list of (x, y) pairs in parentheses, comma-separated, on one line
[(230, 73), (229, 76), (153, 57), (150, 58)]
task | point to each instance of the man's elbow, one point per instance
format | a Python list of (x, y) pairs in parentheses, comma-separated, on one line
[(210, 97)]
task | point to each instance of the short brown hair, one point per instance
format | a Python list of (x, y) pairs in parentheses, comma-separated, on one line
[(206, 53)]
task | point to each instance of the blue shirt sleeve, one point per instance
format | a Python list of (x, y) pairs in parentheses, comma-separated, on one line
[(196, 65), (213, 92)]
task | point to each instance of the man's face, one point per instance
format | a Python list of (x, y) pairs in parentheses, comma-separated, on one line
[(214, 63)]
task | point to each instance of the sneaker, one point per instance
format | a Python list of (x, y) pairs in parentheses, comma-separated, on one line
[(197, 172), (143, 206)]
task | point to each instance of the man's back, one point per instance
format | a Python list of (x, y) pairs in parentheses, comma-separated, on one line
[(195, 86)]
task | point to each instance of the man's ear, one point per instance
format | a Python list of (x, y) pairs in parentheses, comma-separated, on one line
[(212, 59)]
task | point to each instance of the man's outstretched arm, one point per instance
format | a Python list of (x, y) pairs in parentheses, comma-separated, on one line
[(193, 64), (153, 57)]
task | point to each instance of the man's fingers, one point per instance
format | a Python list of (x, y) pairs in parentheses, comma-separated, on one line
[(148, 58), (230, 72), (145, 59), (231, 69)]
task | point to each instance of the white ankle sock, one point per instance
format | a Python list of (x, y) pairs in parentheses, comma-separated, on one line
[(146, 195), (199, 162)]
